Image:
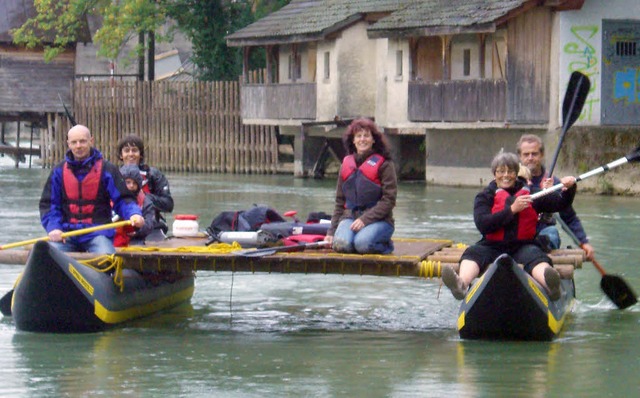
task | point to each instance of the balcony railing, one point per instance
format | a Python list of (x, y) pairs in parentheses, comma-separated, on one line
[(458, 101), (279, 101)]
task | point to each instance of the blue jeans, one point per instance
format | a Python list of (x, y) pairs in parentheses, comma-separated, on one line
[(373, 238), (554, 236), (100, 244)]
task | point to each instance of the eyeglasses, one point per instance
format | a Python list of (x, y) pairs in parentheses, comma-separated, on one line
[(501, 172)]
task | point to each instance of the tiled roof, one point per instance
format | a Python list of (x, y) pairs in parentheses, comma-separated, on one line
[(308, 20), (446, 15), (305, 20)]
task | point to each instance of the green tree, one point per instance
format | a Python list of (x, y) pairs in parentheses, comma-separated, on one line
[(58, 24), (207, 23)]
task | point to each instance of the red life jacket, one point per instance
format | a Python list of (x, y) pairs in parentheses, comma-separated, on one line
[(122, 238), (80, 204), (525, 229), (361, 185)]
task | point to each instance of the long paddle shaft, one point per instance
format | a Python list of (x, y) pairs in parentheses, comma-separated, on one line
[(68, 234), (272, 250), (574, 98), (5, 301), (631, 157)]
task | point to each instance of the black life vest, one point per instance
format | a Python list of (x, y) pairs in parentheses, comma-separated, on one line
[(361, 185), (526, 220)]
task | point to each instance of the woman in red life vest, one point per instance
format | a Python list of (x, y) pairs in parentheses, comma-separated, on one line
[(154, 183), (506, 216), (128, 235), (362, 220)]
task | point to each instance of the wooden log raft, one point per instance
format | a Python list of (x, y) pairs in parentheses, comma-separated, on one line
[(564, 260), (411, 257)]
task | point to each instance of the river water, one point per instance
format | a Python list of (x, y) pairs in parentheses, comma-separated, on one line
[(257, 335)]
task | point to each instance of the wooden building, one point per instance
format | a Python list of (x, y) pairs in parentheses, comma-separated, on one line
[(31, 91), (451, 82)]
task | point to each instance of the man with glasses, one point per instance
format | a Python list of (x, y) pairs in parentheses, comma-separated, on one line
[(530, 149)]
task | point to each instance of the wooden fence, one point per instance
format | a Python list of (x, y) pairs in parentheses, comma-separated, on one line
[(186, 126)]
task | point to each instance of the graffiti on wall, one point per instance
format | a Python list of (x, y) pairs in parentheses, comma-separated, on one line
[(582, 56)]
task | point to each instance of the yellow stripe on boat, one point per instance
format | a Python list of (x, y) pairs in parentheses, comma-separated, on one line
[(83, 282), (461, 320), (474, 289), (556, 324), (114, 317), (538, 293)]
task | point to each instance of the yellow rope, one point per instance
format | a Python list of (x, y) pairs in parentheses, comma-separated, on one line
[(429, 269), (107, 263), (216, 248)]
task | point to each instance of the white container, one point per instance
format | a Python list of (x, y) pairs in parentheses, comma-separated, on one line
[(185, 226), (244, 238)]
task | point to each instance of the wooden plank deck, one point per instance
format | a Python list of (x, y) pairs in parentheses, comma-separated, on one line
[(411, 257), (404, 261)]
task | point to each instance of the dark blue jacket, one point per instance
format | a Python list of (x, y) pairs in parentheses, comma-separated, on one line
[(568, 214), (114, 191)]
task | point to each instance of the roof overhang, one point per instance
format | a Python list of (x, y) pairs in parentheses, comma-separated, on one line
[(431, 31), (247, 41)]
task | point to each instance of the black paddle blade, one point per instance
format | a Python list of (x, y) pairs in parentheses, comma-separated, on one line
[(634, 155), (576, 95), (5, 303), (618, 291)]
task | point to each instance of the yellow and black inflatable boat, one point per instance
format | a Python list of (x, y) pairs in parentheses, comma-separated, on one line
[(56, 293), (506, 303)]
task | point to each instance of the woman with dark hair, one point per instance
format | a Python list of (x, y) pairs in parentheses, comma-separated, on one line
[(362, 220), (154, 183)]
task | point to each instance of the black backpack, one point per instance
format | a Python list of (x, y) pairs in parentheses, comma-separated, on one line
[(243, 220)]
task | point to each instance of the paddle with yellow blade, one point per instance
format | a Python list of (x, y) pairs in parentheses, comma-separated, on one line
[(5, 301)]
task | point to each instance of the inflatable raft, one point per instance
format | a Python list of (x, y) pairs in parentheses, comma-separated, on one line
[(506, 303), (56, 293)]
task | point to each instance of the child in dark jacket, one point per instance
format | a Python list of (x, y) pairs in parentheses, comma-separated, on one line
[(129, 235)]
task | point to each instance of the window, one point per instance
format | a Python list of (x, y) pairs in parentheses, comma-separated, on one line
[(295, 67), (327, 65), (399, 64), (626, 48), (466, 69)]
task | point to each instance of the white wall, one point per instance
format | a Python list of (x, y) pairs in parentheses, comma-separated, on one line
[(459, 44), (392, 107), (303, 51), (581, 48), (327, 89), (356, 72)]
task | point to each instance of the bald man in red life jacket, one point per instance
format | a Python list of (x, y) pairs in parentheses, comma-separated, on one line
[(78, 194)]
